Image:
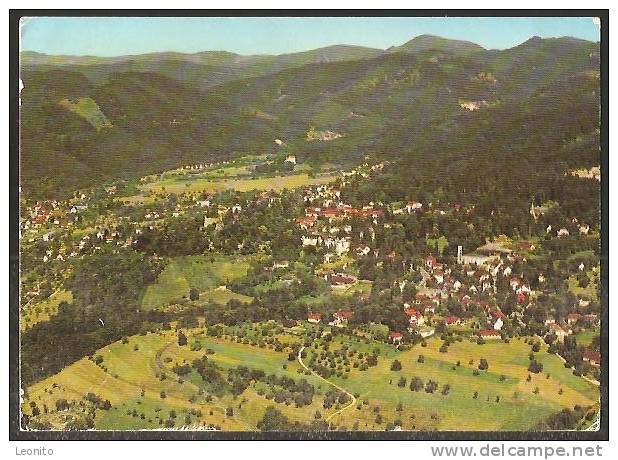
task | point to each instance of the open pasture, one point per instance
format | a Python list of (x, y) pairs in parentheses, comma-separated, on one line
[(130, 377), (202, 272), (207, 184), (505, 399)]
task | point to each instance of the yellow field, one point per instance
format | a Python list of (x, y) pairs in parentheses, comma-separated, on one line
[(130, 371), (137, 366), (519, 408), (176, 186)]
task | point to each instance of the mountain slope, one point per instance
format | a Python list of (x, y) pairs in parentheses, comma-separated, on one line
[(204, 69), (381, 103), (435, 43)]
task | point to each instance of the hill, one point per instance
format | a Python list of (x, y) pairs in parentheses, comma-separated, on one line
[(169, 109), (435, 43)]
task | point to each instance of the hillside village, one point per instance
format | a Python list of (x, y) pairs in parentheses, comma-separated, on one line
[(488, 293), (398, 241)]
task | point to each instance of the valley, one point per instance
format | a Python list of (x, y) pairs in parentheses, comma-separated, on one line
[(346, 239)]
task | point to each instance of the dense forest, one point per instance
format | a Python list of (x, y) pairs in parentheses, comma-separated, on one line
[(82, 127)]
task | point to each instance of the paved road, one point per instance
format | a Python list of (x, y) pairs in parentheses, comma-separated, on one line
[(352, 403)]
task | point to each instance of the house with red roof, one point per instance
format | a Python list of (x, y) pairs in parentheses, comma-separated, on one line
[(490, 334), (526, 246), (559, 331), (430, 262), (395, 337), (415, 317), (306, 222), (592, 357), (341, 317), (314, 317), (572, 318), (330, 213), (452, 320), (342, 279)]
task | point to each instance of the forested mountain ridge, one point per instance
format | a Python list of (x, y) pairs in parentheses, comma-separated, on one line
[(167, 109)]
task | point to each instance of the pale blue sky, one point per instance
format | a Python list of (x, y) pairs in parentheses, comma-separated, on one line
[(120, 36)]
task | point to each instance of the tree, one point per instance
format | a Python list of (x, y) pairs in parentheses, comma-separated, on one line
[(273, 420), (62, 404), (535, 367), (416, 384), (431, 386), (396, 365), (182, 339), (194, 294), (483, 364)]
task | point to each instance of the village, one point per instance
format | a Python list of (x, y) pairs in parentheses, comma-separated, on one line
[(482, 293)]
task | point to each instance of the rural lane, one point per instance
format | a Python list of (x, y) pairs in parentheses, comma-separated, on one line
[(300, 360)]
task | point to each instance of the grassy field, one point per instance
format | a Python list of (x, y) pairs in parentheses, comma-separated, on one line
[(585, 337), (88, 109), (202, 272), (130, 377), (590, 291), (361, 287), (519, 408), (42, 311), (442, 243), (223, 296), (179, 185), (133, 382)]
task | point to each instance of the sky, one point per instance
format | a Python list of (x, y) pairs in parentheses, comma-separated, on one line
[(115, 36)]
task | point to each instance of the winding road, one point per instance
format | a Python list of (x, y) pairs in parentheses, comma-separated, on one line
[(352, 403)]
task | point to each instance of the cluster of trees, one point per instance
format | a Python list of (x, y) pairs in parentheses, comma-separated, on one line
[(283, 389), (417, 384), (567, 419), (275, 420), (107, 288), (334, 396)]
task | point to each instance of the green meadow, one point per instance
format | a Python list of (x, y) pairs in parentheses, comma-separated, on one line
[(202, 272), (518, 406), (130, 377), (207, 184)]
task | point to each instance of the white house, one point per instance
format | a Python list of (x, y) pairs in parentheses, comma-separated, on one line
[(562, 232)]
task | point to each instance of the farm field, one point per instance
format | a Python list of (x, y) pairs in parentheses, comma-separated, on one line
[(129, 376), (277, 183), (519, 408)]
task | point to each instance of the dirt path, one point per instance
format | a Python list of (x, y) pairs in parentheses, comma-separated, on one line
[(352, 403)]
